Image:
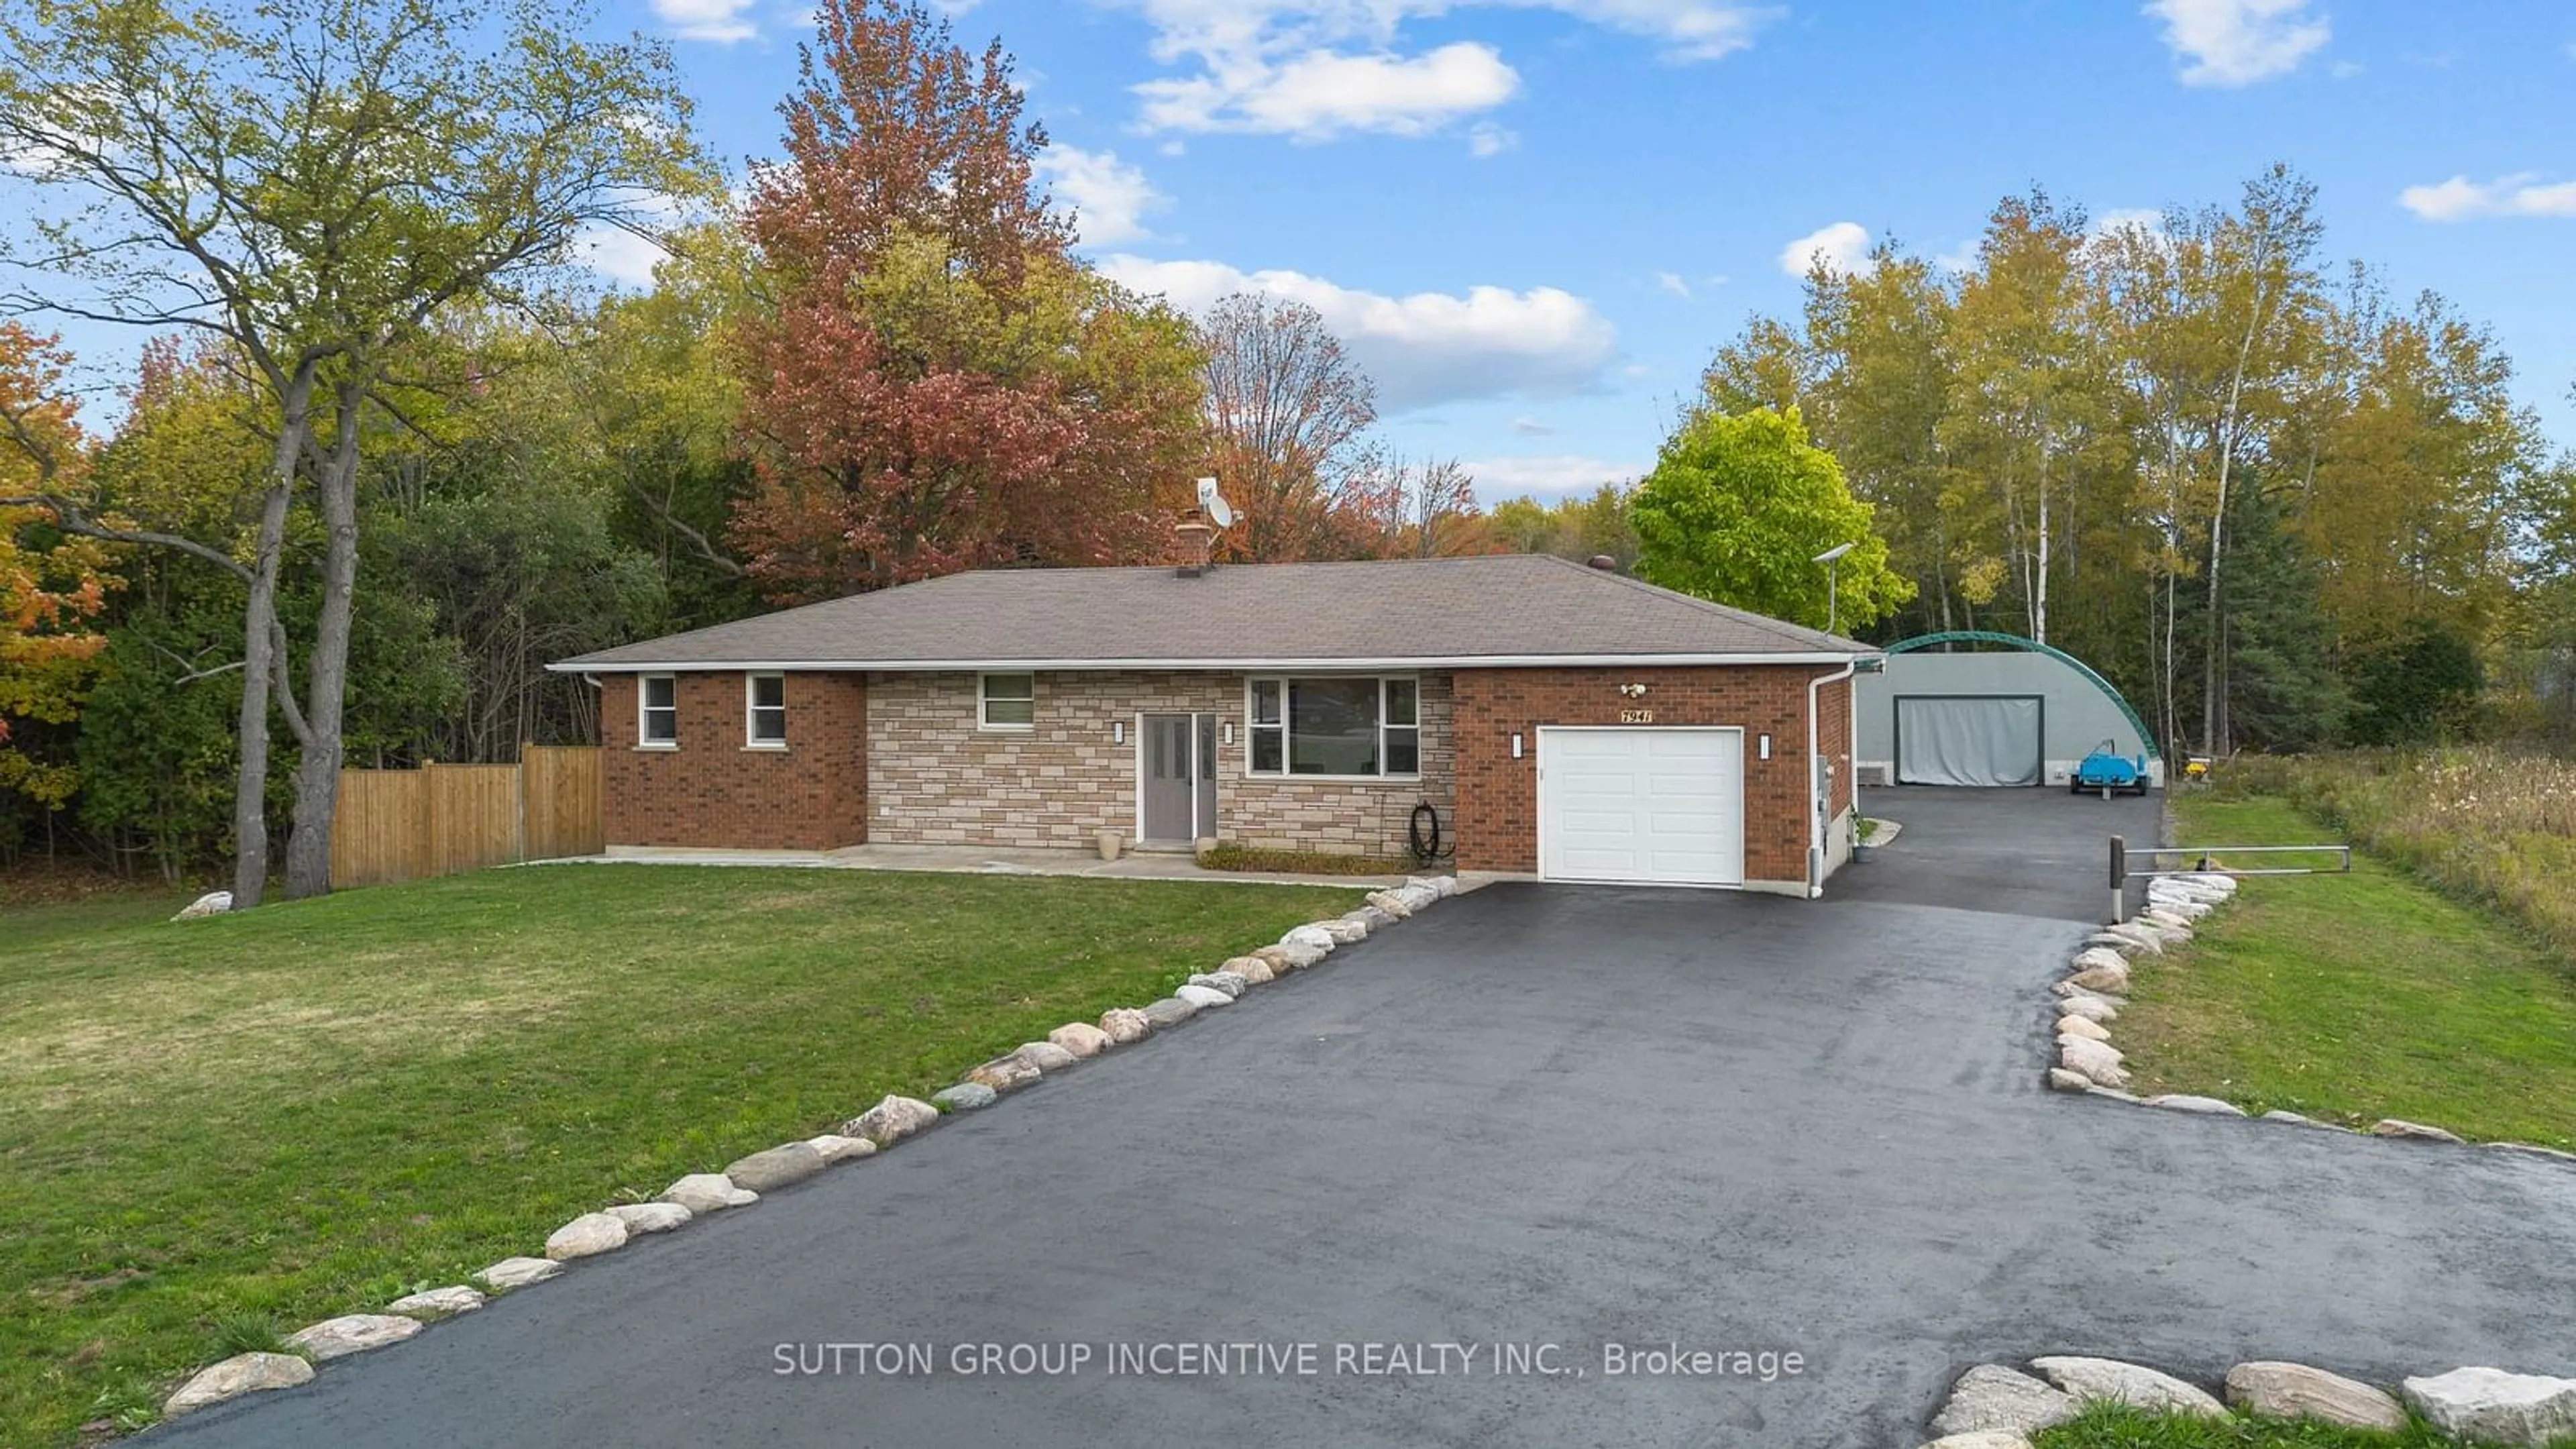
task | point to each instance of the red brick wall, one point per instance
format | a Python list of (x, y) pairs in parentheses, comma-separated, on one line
[(1498, 795), (712, 792)]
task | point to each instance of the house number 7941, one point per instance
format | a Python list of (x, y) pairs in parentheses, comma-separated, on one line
[(1636, 716)]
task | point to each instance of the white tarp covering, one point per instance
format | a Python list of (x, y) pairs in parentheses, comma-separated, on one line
[(1986, 740)]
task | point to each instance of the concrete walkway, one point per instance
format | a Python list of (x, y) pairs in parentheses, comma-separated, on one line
[(1592, 1118), (972, 860)]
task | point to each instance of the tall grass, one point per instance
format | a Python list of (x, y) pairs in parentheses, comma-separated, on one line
[(2482, 823)]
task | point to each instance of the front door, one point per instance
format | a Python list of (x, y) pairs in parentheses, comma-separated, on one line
[(1171, 776)]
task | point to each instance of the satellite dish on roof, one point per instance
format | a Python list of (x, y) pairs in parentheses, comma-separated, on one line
[(1219, 512)]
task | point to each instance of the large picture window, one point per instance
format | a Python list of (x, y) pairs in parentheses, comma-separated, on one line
[(1334, 726)]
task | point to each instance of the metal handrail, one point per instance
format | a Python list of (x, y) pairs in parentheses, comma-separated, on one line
[(2121, 875)]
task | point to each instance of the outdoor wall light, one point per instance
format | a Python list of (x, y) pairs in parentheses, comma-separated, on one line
[(1118, 732), (1229, 732), (1516, 747), (1765, 746), (1633, 691)]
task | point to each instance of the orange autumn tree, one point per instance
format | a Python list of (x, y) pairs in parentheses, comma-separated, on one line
[(941, 385), (51, 583)]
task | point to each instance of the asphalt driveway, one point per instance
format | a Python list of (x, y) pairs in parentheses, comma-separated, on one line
[(1575, 1116)]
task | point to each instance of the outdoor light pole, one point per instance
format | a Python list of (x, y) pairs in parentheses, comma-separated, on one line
[(1832, 559)]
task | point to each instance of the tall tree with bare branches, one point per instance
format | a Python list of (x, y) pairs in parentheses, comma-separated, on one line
[(1289, 408)]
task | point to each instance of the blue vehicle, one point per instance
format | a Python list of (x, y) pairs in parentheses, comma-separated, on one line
[(2106, 770)]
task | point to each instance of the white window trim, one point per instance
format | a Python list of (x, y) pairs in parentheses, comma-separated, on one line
[(983, 702), (643, 712), (751, 739), (1282, 775)]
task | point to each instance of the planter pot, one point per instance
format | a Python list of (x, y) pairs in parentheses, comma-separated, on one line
[(1112, 842)]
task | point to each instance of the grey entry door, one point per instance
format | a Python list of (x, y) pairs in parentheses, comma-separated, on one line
[(1170, 777)]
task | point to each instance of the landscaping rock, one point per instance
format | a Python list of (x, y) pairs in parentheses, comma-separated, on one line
[(351, 1333), (1982, 1439), (892, 1120), (776, 1167), (212, 903), (2125, 945), (432, 1304), (2492, 1406), (2062, 1080), (1371, 917), (1125, 1025), (1303, 955), (2185, 1102), (2068, 990), (705, 1192), (245, 1373), (2092, 956), (2157, 915), (2097, 1061), (1277, 956), (2127, 1383), (2399, 1127), (2146, 938), (1170, 1011), (1314, 936), (2533, 1150), (837, 1148), (1046, 1056), (1006, 1074), (2101, 978), (653, 1217), (1991, 1398), (2277, 1115), (512, 1273), (1083, 1039), (966, 1097), (1389, 902), (1253, 969), (1344, 930), (2296, 1391), (1443, 886), (1203, 996), (2083, 1027), (2114, 1093), (1225, 981), (584, 1236), (2096, 1009)]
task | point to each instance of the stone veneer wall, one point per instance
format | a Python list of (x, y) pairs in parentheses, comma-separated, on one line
[(935, 778), (1498, 795), (711, 792)]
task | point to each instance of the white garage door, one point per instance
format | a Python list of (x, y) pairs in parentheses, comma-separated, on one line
[(1659, 806)]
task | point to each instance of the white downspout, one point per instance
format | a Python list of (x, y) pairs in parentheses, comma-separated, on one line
[(1817, 800)]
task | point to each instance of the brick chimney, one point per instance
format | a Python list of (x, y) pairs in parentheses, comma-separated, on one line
[(1193, 540)]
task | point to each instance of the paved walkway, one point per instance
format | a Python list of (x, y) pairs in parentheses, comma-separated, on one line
[(1579, 1116)]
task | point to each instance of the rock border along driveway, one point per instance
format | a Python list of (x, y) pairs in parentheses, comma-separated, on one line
[(880, 1127)]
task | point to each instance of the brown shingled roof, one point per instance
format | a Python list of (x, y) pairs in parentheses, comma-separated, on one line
[(1525, 608)]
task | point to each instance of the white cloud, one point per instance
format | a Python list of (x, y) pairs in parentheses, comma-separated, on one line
[(628, 254), (1485, 138), (2239, 42), (1842, 246), (1422, 349), (720, 21), (1320, 68), (2459, 198), (1109, 197), (2147, 219), (1323, 93), (1672, 282), (1958, 260), (1544, 474), (1533, 428)]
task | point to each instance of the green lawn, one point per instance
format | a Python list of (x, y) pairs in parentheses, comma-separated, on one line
[(219, 1128), (2352, 998), (2115, 1426)]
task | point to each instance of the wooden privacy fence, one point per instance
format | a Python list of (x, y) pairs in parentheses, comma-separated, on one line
[(395, 825)]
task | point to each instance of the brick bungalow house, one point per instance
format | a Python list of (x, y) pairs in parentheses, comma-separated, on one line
[(1555, 719)]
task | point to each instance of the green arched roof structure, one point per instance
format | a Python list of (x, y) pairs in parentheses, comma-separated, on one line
[(2146, 736)]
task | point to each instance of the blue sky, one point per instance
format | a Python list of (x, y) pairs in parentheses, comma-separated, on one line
[(1535, 219)]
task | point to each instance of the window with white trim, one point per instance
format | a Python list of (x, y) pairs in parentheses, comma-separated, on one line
[(764, 705), (1350, 726), (657, 712), (1007, 701)]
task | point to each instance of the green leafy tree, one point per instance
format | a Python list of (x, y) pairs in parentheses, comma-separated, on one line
[(1737, 509)]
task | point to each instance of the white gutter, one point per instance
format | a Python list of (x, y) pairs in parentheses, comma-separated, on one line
[(1816, 806), (1419, 661)]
